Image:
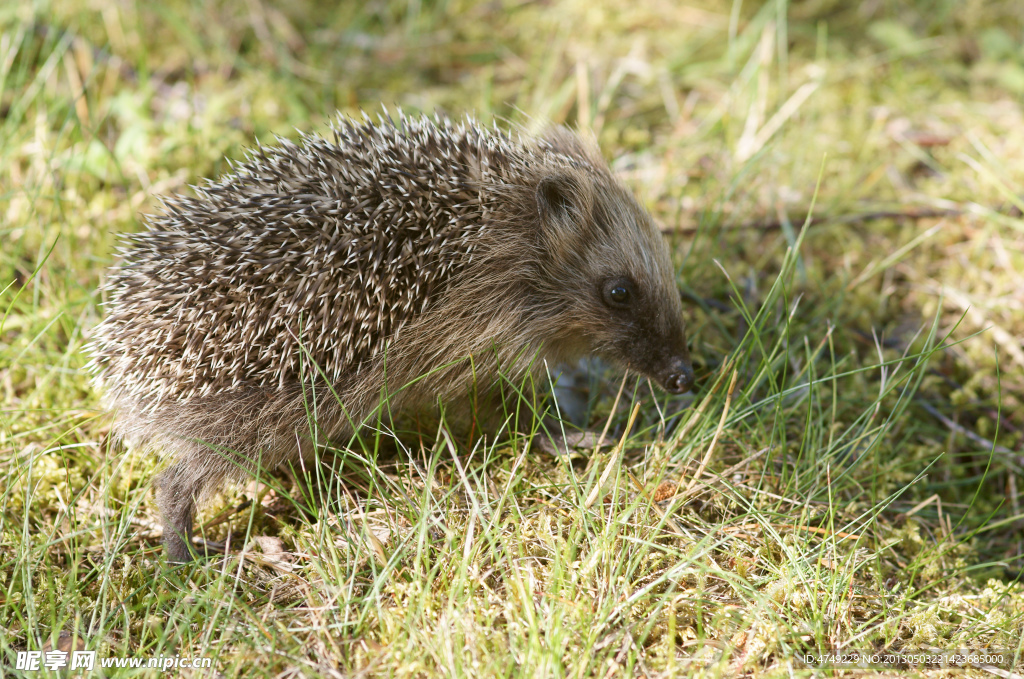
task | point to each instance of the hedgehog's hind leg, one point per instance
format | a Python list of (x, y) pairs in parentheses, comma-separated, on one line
[(178, 489)]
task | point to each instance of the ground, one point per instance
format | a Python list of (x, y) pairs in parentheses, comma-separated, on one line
[(840, 185)]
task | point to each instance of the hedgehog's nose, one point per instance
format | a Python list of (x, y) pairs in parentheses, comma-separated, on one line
[(680, 379)]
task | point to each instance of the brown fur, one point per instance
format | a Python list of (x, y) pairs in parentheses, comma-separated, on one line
[(416, 259)]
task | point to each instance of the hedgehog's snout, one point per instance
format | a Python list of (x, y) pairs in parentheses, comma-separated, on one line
[(671, 366), (678, 378)]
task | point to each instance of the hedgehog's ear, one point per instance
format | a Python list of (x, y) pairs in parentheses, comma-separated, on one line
[(559, 200)]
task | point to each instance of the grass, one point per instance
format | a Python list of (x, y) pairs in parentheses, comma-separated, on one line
[(847, 475)]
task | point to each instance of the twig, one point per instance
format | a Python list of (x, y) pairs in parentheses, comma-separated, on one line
[(857, 218), (980, 440), (728, 472)]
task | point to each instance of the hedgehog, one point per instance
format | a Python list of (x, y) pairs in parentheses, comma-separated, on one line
[(410, 261)]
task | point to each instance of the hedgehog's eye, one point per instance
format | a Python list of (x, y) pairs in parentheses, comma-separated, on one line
[(618, 293)]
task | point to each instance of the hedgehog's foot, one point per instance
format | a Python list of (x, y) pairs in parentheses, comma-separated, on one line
[(558, 443), (176, 495)]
